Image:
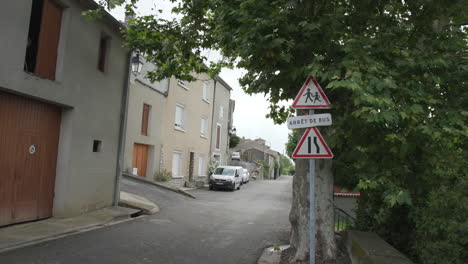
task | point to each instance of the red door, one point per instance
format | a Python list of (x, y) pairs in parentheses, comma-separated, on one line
[(29, 134), (140, 158)]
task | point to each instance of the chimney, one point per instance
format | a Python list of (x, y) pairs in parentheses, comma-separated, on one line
[(129, 15)]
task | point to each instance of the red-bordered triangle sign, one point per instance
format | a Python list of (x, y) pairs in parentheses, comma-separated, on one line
[(312, 145), (311, 96)]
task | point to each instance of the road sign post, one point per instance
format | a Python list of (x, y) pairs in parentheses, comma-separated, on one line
[(312, 206), (312, 145)]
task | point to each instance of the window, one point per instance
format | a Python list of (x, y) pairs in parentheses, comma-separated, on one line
[(204, 126), (218, 135), (184, 84), (221, 112), (201, 165), (97, 145), (43, 38), (145, 119), (103, 47), (176, 164), (206, 91), (179, 117)]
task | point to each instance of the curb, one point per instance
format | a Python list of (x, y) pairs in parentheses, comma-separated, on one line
[(72, 231), (160, 185), (138, 202)]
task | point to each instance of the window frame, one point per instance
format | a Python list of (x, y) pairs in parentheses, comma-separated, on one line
[(218, 137), (221, 112), (103, 53), (204, 132), (179, 165), (180, 127), (206, 91), (148, 118), (202, 168), (50, 32), (183, 84)]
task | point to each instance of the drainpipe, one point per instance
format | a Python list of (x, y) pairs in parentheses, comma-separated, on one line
[(212, 120), (122, 131)]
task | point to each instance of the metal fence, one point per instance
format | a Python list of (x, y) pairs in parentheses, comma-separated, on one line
[(343, 220)]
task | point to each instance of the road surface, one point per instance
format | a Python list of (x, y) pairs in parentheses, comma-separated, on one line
[(218, 227)]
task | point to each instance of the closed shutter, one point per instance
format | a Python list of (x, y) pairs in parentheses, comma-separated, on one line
[(145, 119), (176, 164), (218, 135), (179, 117), (49, 40)]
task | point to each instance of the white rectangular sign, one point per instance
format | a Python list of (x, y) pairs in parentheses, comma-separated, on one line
[(309, 121)]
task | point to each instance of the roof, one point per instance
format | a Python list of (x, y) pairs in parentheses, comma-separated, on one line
[(248, 144), (349, 194), (91, 4), (224, 83)]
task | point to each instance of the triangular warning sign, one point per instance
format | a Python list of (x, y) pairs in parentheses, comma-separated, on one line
[(312, 145), (311, 96)]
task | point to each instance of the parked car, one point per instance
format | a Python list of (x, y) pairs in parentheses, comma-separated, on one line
[(246, 176), (235, 156), (226, 177)]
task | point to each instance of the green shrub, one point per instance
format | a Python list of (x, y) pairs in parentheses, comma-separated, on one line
[(441, 232), (163, 176)]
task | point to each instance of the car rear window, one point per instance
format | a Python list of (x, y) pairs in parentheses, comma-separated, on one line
[(224, 171)]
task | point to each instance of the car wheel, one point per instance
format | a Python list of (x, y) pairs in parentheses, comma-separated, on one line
[(238, 188), (211, 187)]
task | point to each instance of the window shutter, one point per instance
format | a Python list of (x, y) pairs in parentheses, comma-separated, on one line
[(145, 120), (179, 116), (49, 40), (218, 134)]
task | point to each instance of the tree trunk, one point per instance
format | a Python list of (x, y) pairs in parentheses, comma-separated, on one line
[(299, 215)]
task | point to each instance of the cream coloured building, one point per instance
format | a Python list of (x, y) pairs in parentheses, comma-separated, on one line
[(187, 129), (170, 127)]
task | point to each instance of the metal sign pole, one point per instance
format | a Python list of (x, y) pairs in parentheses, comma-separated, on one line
[(312, 206)]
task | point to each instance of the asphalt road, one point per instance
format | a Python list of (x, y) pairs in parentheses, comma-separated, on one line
[(217, 227)]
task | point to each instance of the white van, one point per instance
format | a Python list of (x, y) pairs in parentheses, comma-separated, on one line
[(235, 156), (226, 177), (245, 176)]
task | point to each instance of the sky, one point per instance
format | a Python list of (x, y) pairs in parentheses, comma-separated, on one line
[(250, 111)]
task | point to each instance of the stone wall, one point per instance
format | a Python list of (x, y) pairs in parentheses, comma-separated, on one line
[(346, 203), (255, 170), (369, 248)]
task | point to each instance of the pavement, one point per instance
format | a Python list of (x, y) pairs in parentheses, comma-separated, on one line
[(22, 235), (217, 227)]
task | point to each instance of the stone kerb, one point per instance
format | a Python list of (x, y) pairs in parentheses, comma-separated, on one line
[(369, 248)]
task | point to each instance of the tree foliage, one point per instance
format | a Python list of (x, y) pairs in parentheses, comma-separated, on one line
[(286, 164), (233, 140), (395, 72)]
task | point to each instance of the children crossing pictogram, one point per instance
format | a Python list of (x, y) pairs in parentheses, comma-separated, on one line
[(311, 96)]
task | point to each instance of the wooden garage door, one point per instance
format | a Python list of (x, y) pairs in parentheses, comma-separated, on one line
[(140, 158), (29, 134)]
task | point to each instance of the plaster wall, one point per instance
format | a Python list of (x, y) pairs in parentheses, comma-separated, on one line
[(189, 139), (90, 99), (221, 117), (140, 93)]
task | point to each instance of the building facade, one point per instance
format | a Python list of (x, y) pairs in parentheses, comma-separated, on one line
[(221, 122), (187, 129), (146, 116), (62, 83), (257, 150)]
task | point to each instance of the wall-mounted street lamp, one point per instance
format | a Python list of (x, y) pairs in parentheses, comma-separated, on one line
[(137, 64)]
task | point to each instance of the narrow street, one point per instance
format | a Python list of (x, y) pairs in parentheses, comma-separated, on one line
[(217, 227)]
